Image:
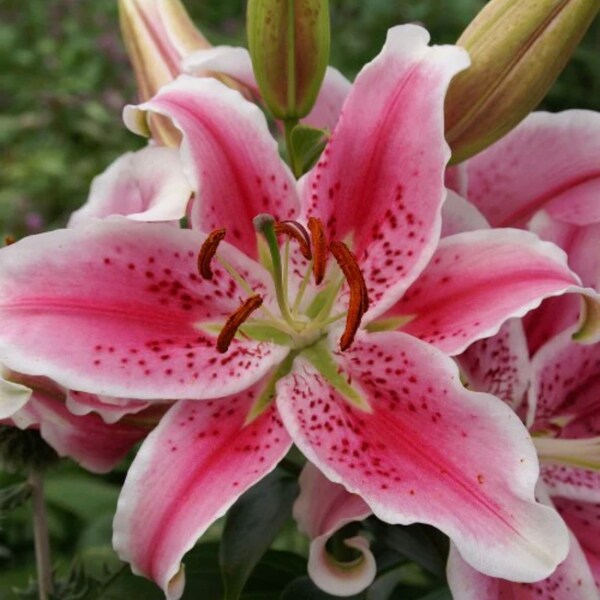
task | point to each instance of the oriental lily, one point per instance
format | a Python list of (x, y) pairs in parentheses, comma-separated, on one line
[(279, 335), (95, 432), (544, 176), (564, 419)]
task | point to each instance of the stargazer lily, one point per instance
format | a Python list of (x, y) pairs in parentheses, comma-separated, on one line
[(564, 420), (279, 333), (544, 176)]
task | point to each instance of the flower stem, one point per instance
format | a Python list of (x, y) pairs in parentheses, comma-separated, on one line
[(288, 126), (40, 535)]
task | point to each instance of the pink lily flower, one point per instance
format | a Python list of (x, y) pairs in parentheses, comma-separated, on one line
[(564, 419), (279, 358), (95, 432), (544, 176)]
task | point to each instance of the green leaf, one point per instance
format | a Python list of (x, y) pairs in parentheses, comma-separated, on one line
[(419, 543), (251, 526), (202, 573), (274, 572), (307, 145), (304, 589), (83, 496)]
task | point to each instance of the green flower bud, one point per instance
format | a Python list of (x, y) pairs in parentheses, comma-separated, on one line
[(518, 48), (289, 45)]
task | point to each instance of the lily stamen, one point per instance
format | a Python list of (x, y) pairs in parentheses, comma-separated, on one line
[(208, 251), (235, 320), (359, 300), (319, 248), (296, 231)]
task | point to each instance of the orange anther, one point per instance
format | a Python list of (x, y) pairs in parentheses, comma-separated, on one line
[(207, 252), (235, 320), (319, 248), (294, 230), (359, 299)]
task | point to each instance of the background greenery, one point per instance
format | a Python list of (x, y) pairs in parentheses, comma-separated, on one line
[(64, 78)]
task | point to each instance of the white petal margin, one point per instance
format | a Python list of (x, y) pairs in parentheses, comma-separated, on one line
[(147, 185), (572, 579), (13, 396), (322, 508)]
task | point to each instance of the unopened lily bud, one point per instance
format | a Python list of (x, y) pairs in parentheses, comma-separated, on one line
[(289, 45), (518, 48), (158, 34)]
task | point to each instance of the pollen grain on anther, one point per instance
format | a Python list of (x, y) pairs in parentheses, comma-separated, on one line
[(296, 231), (319, 248), (359, 299), (239, 316), (208, 251)]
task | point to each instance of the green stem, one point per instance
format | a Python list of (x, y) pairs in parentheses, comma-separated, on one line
[(40, 535), (288, 126)]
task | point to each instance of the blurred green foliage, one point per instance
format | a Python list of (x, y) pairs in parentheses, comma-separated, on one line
[(65, 77)]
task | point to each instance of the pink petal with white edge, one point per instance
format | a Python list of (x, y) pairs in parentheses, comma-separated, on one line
[(572, 580), (388, 151), (552, 317), (572, 482), (456, 179), (581, 243), (321, 509), (236, 63), (95, 445), (428, 450), (565, 388), (499, 365), (548, 160), (479, 279), (13, 397), (584, 520), (229, 156), (147, 185), (204, 455), (110, 409), (117, 308), (459, 215)]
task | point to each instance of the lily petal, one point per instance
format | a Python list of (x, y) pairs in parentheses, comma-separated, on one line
[(499, 365), (95, 445), (584, 521), (427, 450), (565, 387), (549, 161), (118, 310), (581, 243), (229, 156), (388, 150), (204, 456), (110, 409), (322, 508), (573, 579), (479, 279), (147, 185), (459, 215), (13, 396), (236, 63)]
